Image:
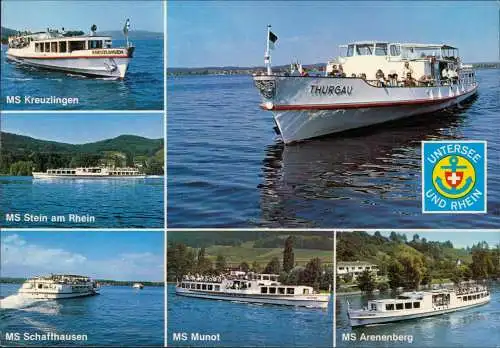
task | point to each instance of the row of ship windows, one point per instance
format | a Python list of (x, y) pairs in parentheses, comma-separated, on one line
[(209, 287), (473, 297), (63, 47), (399, 306)]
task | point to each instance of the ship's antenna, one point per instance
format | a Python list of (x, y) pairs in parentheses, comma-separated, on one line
[(267, 57)]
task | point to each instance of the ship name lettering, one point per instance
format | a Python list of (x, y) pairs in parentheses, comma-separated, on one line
[(81, 218), (196, 336), (35, 218), (331, 90), (107, 52), (386, 338)]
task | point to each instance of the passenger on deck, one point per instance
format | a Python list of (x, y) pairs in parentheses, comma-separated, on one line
[(393, 79), (445, 75), (407, 70), (341, 71), (380, 78)]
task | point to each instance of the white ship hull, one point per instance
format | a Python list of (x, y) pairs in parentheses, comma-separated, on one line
[(311, 301), (356, 321), (309, 107), (88, 65), (55, 295)]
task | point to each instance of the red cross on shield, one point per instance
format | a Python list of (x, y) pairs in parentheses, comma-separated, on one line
[(454, 179)]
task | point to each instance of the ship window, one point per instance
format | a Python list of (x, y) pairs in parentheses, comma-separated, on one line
[(210, 287), (217, 288), (183, 285), (265, 277), (395, 50), (464, 298), (281, 291), (47, 46), (272, 290), (381, 49), (203, 286), (37, 47), (62, 47), (76, 45), (389, 307), (198, 286), (39, 286), (107, 43), (416, 304), (399, 306), (263, 290), (95, 44), (53, 46), (290, 291), (306, 292), (193, 286), (364, 50), (469, 298), (407, 305), (350, 51)]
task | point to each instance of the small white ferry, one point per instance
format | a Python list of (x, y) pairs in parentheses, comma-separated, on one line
[(89, 173), (372, 82), (413, 305), (252, 288), (138, 286), (58, 286), (89, 55)]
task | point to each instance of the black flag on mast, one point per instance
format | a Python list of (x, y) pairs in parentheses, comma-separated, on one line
[(272, 39)]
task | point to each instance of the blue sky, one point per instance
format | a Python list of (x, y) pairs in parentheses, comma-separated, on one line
[(233, 33), (460, 239), (80, 15), (124, 255), (83, 128)]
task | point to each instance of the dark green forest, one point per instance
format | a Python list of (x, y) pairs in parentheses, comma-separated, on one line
[(21, 155), (416, 262)]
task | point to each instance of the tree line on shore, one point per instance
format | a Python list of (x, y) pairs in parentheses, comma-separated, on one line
[(183, 260), (415, 263)]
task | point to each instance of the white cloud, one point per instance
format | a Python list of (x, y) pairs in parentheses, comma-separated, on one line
[(22, 259)]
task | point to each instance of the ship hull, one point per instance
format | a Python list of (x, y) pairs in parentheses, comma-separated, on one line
[(309, 107), (313, 301), (56, 296), (364, 321), (103, 67)]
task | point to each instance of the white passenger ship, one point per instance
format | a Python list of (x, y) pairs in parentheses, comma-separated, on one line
[(372, 83), (412, 305), (58, 286), (252, 288), (90, 55), (89, 173)]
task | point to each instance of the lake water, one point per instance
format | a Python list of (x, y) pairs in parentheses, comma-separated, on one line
[(474, 327), (115, 203), (142, 88), (119, 316), (226, 167), (241, 324)]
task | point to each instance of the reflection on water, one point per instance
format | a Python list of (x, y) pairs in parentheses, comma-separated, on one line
[(377, 167)]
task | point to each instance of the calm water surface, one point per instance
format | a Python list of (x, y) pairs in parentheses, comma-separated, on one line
[(241, 324), (119, 316), (227, 168), (115, 203), (474, 327), (142, 88)]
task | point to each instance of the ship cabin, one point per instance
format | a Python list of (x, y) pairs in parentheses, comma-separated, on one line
[(51, 42), (405, 301), (386, 64), (70, 44)]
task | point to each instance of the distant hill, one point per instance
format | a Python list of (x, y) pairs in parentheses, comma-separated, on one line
[(133, 143)]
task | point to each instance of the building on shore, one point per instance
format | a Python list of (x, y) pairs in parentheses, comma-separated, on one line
[(355, 268)]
